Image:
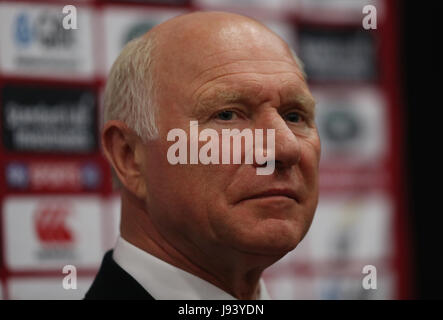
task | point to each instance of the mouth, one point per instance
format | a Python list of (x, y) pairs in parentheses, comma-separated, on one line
[(275, 194)]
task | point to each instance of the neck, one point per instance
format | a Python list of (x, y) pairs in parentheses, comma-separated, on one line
[(236, 273)]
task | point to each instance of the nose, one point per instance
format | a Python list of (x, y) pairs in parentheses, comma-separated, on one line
[(287, 151)]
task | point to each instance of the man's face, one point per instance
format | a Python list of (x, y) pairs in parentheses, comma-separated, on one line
[(243, 79)]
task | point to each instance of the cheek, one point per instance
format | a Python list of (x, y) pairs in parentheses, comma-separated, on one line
[(309, 163), (309, 167), (183, 186)]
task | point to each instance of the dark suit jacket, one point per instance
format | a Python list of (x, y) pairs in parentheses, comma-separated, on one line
[(114, 283)]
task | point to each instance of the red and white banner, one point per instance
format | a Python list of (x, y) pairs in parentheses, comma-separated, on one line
[(56, 199)]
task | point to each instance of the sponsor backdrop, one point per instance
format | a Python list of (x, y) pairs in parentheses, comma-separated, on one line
[(57, 206)]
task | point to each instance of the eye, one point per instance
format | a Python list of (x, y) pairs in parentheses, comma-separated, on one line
[(225, 115), (294, 117)]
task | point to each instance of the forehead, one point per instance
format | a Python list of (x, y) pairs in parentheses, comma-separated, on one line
[(218, 67), (243, 59), (191, 48), (247, 54), (253, 79)]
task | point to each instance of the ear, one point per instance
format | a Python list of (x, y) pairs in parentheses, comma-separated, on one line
[(122, 147)]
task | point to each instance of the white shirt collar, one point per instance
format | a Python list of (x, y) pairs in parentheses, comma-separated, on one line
[(164, 281)]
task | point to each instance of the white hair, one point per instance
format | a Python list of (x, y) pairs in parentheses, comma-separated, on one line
[(130, 91)]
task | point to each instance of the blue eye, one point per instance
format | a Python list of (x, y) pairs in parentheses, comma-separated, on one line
[(294, 117), (225, 115)]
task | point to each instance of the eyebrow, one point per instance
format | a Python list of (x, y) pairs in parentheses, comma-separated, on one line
[(220, 96), (302, 100), (244, 96)]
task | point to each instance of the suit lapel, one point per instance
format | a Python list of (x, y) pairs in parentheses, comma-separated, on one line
[(114, 283)]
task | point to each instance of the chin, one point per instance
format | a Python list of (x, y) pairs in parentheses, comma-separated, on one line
[(276, 238), (260, 230)]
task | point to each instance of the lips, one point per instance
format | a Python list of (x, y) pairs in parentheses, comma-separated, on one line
[(289, 193)]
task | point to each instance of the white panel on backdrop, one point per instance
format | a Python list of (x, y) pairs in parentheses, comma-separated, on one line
[(352, 125), (34, 42), (46, 288), (351, 287), (122, 25), (351, 228), (345, 5), (48, 232), (330, 287), (1, 291), (112, 216), (348, 232), (337, 10)]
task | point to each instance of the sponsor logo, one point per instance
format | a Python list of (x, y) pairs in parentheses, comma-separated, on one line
[(341, 126), (39, 41), (352, 126), (50, 224), (91, 176), (52, 230), (45, 29), (51, 176), (48, 232), (48, 119), (23, 30), (17, 175), (338, 55)]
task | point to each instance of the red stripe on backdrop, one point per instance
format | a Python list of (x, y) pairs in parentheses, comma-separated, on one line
[(390, 81)]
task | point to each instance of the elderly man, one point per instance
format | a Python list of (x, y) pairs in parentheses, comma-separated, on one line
[(196, 230)]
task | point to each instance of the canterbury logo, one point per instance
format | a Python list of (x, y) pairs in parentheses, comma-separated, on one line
[(50, 224)]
